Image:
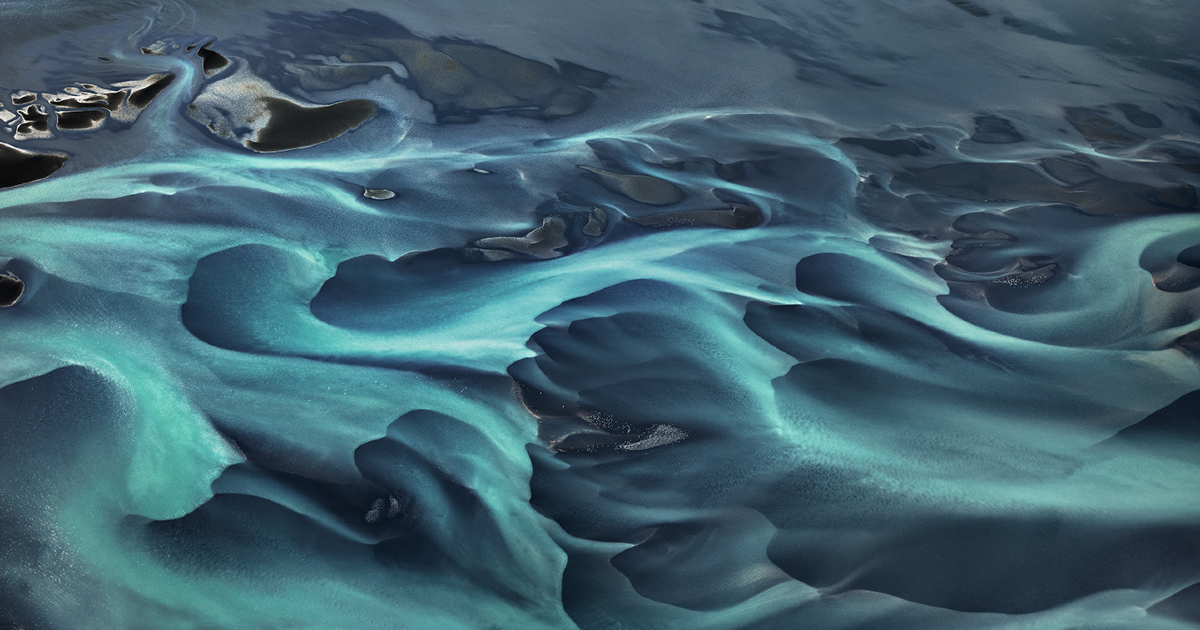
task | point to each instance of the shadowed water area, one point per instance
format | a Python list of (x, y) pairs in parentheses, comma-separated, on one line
[(682, 314)]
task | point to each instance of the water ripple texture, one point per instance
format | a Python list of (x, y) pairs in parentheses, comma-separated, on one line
[(712, 314)]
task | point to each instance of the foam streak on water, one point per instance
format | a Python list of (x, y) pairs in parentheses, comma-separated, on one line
[(629, 315)]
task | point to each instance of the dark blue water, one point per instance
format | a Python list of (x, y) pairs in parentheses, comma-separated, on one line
[(675, 314)]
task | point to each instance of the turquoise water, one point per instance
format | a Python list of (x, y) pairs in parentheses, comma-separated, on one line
[(667, 315)]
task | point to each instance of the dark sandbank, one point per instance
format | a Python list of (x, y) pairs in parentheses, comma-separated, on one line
[(891, 147), (378, 193), (651, 191), (11, 289), (1099, 129), (739, 217), (541, 243), (1139, 116), (108, 100), (18, 166), (141, 97), (970, 7), (84, 119), (293, 126), (1082, 187), (36, 119), (995, 130), (214, 62)]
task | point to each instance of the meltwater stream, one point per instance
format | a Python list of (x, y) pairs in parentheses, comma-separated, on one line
[(703, 314)]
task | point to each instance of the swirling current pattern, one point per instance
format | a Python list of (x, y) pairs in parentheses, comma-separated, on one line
[(677, 314)]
